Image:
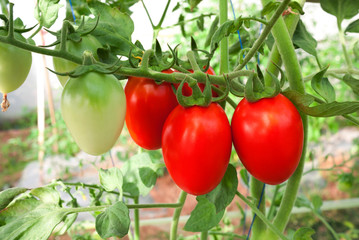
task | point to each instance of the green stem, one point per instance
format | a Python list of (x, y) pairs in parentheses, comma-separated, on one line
[(265, 33), (325, 222), (259, 226), (176, 215), (334, 71), (148, 14), (136, 219), (163, 15), (188, 21), (343, 43), (227, 234), (224, 53), (204, 235), (272, 206), (4, 9), (261, 216)]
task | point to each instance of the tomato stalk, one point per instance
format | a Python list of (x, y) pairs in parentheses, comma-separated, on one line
[(286, 50), (176, 215), (224, 54), (259, 226), (204, 235), (343, 43), (136, 220)]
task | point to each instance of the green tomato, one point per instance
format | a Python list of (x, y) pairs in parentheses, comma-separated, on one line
[(88, 42), (94, 107), (345, 182), (15, 64)]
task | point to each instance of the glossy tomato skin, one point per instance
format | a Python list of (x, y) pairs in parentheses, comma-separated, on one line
[(196, 147), (148, 105), (268, 137), (88, 42), (187, 90), (15, 64), (93, 107)]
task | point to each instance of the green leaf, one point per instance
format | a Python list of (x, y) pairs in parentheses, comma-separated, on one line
[(224, 31), (224, 193), (19, 208), (203, 217), (46, 12), (114, 28), (342, 9), (46, 195), (302, 201), (304, 233), (178, 5), (148, 176), (323, 110), (352, 82), (8, 195), (194, 3), (269, 7), (200, 23), (304, 40), (181, 22), (353, 27), (322, 86), (317, 203), (114, 221), (133, 181), (296, 6), (37, 224), (111, 179), (212, 30)]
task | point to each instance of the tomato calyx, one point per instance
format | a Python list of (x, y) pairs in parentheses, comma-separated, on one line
[(89, 64), (256, 89)]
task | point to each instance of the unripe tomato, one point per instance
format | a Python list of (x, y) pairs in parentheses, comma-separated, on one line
[(187, 90), (88, 42), (148, 105), (15, 64), (268, 137), (196, 147), (94, 107)]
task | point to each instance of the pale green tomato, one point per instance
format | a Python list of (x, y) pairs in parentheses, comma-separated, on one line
[(88, 42), (15, 64), (94, 107)]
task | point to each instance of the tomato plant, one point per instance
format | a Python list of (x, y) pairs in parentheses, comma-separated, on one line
[(12, 76), (268, 137), (87, 42), (148, 105), (93, 107), (196, 146)]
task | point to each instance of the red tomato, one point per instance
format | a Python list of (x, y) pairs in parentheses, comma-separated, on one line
[(196, 147), (187, 90), (268, 137), (148, 105)]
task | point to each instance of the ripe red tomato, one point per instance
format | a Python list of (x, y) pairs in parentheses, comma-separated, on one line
[(148, 105), (196, 147), (268, 137), (187, 90)]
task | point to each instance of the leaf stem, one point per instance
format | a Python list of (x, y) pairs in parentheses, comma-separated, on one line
[(265, 33), (204, 235), (163, 15), (325, 222), (148, 14), (176, 215), (259, 226), (343, 43)]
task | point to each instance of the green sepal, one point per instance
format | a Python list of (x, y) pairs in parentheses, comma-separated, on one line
[(197, 98), (224, 94), (237, 87)]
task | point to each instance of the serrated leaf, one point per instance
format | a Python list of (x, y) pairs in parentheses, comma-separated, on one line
[(8, 195), (114, 28), (131, 174), (111, 179), (352, 82), (317, 202), (322, 110), (212, 30), (114, 221), (224, 31), (304, 40), (46, 12), (203, 217), (322, 86), (342, 9), (37, 224), (148, 176), (304, 233), (19, 208), (224, 193), (353, 27), (46, 195)]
